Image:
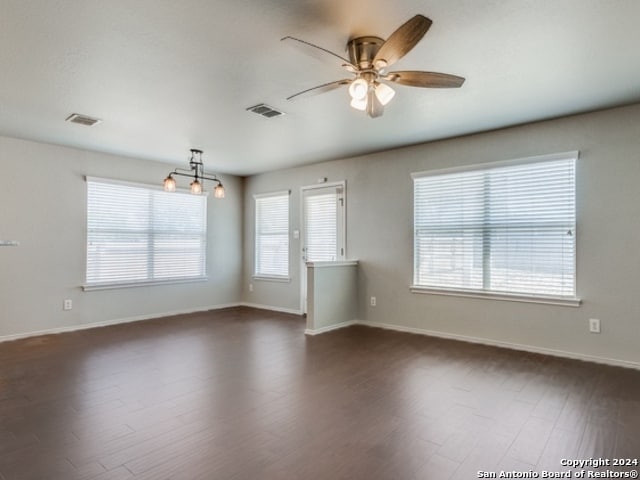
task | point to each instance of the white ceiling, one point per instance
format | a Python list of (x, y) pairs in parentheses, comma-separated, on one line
[(169, 75)]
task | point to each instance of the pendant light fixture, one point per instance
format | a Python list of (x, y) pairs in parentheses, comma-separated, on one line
[(195, 171)]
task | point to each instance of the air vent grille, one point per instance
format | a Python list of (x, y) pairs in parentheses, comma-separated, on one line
[(82, 119), (265, 110)]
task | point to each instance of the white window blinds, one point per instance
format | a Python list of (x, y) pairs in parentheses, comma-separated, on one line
[(139, 234), (505, 229), (272, 235), (323, 224)]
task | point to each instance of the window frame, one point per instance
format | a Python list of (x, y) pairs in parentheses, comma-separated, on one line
[(570, 301), (108, 285), (264, 276)]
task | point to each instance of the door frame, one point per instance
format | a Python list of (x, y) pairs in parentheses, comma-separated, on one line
[(342, 234)]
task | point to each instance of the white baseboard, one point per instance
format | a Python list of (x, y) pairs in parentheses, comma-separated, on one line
[(399, 328), (329, 328), (106, 323), (272, 308), (512, 346)]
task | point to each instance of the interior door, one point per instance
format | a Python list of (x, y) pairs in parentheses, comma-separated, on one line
[(323, 228)]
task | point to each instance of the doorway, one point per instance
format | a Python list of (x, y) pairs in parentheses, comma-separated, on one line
[(323, 228)]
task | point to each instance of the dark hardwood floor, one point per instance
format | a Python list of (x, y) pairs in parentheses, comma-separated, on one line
[(243, 394)]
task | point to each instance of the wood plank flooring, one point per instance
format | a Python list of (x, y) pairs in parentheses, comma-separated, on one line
[(243, 394)]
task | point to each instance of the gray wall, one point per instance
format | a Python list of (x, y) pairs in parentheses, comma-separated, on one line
[(43, 205), (379, 235)]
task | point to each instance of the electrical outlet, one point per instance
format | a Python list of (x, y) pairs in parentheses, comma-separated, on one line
[(373, 301), (594, 325), (251, 287), (67, 304)]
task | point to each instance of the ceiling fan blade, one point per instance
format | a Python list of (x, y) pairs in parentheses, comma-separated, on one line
[(402, 40), (315, 51), (425, 79), (325, 87), (374, 106)]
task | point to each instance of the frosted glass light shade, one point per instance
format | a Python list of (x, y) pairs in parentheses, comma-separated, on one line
[(359, 104), (384, 93), (358, 89), (219, 191), (169, 184), (196, 187)]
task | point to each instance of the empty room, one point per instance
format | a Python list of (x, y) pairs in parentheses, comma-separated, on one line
[(319, 239)]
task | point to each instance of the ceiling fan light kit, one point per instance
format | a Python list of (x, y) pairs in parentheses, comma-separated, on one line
[(369, 58)]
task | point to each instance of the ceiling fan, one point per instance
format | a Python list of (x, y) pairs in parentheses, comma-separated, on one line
[(369, 58)]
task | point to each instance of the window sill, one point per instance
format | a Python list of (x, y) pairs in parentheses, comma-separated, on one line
[(266, 278), (144, 283), (550, 300)]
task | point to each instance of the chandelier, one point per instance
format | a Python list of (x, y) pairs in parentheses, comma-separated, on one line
[(195, 171)]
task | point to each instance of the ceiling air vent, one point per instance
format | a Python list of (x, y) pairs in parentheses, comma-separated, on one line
[(265, 110), (82, 119)]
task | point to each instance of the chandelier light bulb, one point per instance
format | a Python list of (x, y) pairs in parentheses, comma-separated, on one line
[(219, 191)]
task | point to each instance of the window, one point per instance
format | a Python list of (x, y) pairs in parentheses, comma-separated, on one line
[(272, 235), (506, 228), (138, 234), (323, 219)]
